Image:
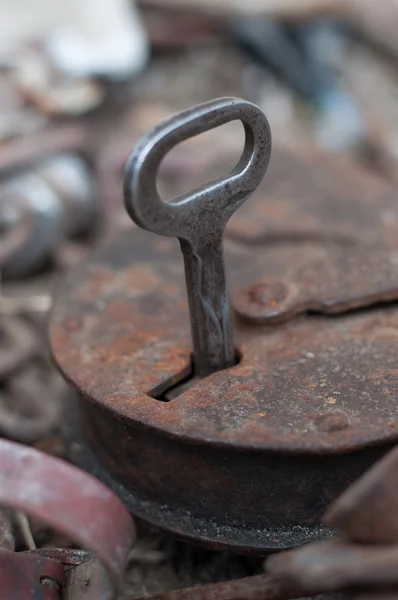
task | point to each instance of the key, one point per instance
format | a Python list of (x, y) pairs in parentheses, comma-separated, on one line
[(198, 218)]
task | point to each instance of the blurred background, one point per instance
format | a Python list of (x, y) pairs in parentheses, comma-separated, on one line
[(81, 80)]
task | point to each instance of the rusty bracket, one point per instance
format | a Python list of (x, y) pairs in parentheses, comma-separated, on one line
[(321, 237), (75, 504)]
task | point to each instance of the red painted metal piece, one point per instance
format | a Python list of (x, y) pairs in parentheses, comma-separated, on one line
[(68, 500), (333, 565), (29, 577), (87, 579)]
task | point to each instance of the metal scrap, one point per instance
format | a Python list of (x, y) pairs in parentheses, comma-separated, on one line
[(29, 577), (363, 562), (30, 406), (70, 501), (366, 556), (366, 512), (59, 199), (259, 587), (22, 152)]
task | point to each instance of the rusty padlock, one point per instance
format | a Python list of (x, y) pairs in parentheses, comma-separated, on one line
[(245, 457)]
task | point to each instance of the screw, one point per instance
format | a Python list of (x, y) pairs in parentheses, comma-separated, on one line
[(262, 301), (50, 583)]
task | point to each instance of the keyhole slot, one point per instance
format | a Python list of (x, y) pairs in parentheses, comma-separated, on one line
[(185, 383)]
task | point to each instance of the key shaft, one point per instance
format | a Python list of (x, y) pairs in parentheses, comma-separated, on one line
[(209, 308)]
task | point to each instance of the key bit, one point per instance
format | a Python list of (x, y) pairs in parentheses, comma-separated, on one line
[(198, 218)]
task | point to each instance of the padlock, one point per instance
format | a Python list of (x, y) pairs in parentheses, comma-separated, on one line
[(246, 456)]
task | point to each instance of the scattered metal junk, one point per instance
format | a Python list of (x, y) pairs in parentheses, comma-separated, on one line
[(46, 196), (240, 442), (70, 501), (361, 563), (46, 205), (259, 420)]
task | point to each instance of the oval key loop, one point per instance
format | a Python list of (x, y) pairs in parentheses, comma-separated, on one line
[(198, 218), (221, 197)]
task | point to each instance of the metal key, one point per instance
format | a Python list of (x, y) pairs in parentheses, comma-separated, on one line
[(198, 218)]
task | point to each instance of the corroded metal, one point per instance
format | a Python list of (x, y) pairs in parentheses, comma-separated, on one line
[(258, 587), (333, 565), (248, 457), (73, 503), (367, 511), (365, 558), (324, 236), (28, 409)]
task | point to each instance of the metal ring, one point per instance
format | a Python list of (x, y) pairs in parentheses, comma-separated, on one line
[(223, 196)]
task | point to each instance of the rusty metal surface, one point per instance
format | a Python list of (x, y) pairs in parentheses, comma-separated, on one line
[(309, 407), (120, 331), (325, 238), (334, 565), (249, 525), (69, 557), (68, 500), (89, 581), (258, 587), (29, 577), (365, 557), (366, 512)]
